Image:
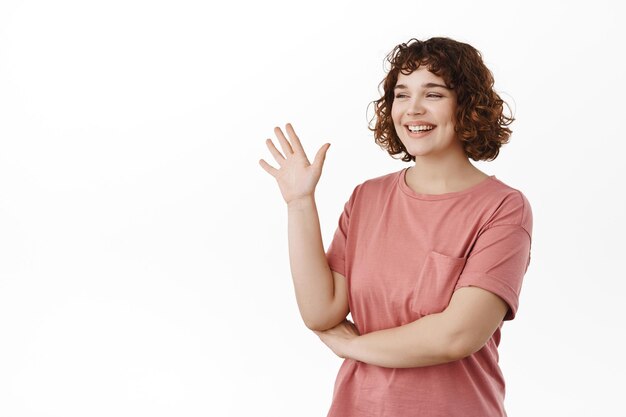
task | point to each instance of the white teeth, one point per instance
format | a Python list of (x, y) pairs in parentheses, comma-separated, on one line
[(420, 128)]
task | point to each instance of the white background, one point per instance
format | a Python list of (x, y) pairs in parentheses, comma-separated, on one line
[(143, 251)]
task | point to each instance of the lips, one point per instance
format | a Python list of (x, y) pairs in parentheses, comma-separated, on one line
[(421, 133), (419, 124)]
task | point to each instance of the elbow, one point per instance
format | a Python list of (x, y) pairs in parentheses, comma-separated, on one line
[(457, 352), (461, 347), (314, 323), (313, 326), (323, 323), (318, 326)]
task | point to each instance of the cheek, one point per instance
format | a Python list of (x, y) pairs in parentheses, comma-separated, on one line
[(395, 114), (452, 113)]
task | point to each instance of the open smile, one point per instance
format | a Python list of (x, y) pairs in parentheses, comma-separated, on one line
[(419, 131)]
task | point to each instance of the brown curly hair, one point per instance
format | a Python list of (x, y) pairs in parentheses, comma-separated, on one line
[(480, 124)]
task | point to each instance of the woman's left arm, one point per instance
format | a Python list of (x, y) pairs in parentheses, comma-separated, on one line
[(470, 319)]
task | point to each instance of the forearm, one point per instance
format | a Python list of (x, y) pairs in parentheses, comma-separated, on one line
[(427, 341), (312, 278)]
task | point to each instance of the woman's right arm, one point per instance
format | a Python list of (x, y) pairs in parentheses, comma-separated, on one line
[(321, 294)]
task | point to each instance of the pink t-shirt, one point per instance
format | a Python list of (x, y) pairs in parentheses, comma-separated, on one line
[(403, 255)]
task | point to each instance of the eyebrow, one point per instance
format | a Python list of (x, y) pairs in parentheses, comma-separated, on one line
[(427, 85)]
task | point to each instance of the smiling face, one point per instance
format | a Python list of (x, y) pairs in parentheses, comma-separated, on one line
[(423, 113)]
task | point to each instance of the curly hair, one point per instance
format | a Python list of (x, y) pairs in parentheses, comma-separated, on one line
[(480, 123)]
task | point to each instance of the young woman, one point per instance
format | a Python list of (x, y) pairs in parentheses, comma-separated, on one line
[(429, 260)]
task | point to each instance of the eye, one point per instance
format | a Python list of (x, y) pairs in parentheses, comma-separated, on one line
[(433, 95), (400, 95)]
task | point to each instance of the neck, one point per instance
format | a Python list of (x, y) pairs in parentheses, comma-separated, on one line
[(432, 177)]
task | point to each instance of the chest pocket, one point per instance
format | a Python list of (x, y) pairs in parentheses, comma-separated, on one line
[(435, 283)]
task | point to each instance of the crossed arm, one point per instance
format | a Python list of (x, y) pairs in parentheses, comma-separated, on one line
[(470, 319)]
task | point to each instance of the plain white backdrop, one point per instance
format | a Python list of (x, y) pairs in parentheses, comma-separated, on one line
[(143, 250)]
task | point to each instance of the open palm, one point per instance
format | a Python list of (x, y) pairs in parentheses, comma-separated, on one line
[(296, 177)]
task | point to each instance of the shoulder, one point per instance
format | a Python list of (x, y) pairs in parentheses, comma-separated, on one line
[(509, 206), (376, 185), (372, 190)]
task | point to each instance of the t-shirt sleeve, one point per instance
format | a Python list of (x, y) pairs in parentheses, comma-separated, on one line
[(500, 257), (336, 253)]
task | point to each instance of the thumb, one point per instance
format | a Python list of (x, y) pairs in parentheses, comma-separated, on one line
[(320, 156)]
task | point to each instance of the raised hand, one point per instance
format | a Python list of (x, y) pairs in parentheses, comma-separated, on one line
[(296, 177)]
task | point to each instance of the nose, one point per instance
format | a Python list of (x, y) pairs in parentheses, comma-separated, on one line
[(415, 107)]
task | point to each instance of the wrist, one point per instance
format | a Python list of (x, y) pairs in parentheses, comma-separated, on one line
[(351, 347), (301, 202)]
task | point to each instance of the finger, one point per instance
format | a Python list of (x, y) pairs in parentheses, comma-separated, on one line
[(320, 156), (284, 143), (275, 152), (297, 145), (268, 168)]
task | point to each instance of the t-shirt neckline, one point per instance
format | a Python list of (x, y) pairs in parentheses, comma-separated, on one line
[(411, 193)]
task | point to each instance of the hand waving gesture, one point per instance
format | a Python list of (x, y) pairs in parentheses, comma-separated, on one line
[(297, 177)]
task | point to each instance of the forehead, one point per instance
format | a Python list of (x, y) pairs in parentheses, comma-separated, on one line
[(420, 76)]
